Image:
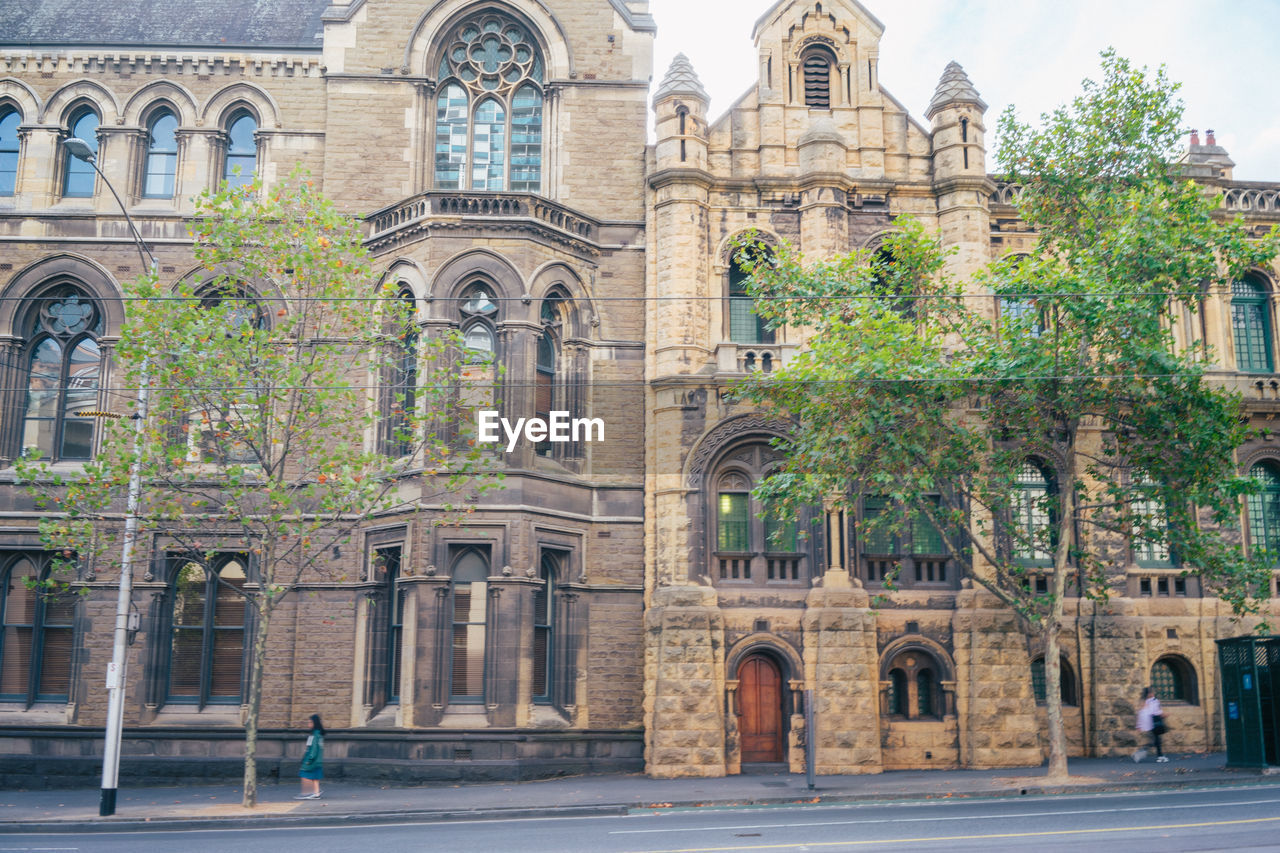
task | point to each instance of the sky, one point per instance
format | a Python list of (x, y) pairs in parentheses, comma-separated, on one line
[(1033, 54)]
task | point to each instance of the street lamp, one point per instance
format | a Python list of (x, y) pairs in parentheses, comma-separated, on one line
[(80, 149)]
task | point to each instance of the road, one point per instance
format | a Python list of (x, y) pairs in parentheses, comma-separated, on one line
[(1236, 819)]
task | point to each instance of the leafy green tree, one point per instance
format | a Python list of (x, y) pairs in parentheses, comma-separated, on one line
[(292, 398), (914, 390)]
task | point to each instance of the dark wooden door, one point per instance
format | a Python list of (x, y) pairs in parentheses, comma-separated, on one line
[(760, 709)]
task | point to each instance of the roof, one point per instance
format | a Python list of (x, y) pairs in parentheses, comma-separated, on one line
[(681, 80), (163, 23), (954, 88)]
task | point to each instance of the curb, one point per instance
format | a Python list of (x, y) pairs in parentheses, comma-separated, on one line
[(134, 824)]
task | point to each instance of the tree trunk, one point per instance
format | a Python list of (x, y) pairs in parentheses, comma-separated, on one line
[(1053, 622), (255, 703)]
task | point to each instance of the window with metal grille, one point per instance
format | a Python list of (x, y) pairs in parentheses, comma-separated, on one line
[(1251, 325), (36, 632), (207, 632), (1068, 678), (1173, 680), (745, 325), (817, 66)]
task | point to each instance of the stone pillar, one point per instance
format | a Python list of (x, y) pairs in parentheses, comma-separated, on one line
[(995, 706), (840, 667), (684, 717), (427, 631), (508, 641)]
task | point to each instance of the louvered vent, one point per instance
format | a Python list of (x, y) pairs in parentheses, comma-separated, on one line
[(817, 81)]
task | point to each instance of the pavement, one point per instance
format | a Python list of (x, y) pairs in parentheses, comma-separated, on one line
[(210, 806)]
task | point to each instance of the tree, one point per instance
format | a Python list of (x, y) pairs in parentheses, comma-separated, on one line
[(910, 390), (264, 439)]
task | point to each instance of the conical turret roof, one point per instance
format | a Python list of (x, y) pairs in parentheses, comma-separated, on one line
[(681, 80), (955, 87)]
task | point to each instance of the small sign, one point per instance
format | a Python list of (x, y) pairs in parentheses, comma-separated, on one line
[(1247, 680), (113, 676), (1233, 711)]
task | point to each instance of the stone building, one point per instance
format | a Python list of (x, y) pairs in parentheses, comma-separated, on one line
[(456, 129), (818, 153), (616, 605)]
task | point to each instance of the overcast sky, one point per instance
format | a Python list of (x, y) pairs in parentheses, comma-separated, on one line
[(1033, 54)]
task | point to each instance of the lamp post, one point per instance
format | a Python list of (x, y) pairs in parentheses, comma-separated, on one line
[(79, 149)]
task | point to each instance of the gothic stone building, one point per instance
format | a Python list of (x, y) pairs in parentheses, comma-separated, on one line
[(617, 605)]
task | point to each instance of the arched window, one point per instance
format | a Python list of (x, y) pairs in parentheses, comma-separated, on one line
[(489, 110), (898, 693), (913, 689), (1150, 550), (750, 543), (1033, 519), (35, 634), (64, 366), (470, 600), (818, 66), (1251, 325), (1068, 678), (1264, 511), (1174, 680), (400, 391), (229, 428), (207, 630), (9, 148), (543, 620), (745, 325), (242, 150), (162, 155), (78, 177), (479, 313)]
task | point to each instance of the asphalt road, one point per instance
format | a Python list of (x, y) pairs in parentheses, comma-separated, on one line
[(1236, 819)]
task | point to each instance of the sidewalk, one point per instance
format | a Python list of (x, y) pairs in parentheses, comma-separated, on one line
[(219, 805)]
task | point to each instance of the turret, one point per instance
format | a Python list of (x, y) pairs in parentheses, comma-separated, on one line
[(680, 106), (959, 132)]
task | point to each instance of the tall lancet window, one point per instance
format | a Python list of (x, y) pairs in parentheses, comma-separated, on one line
[(489, 107)]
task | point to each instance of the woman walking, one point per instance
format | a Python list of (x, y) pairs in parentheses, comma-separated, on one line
[(1150, 722), (312, 770)]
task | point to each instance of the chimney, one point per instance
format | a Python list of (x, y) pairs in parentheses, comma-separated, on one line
[(1195, 137), (1209, 140)]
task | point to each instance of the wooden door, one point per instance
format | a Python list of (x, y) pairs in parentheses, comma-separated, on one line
[(760, 709)]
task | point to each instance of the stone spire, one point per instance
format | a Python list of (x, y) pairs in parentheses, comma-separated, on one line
[(681, 80), (954, 88)]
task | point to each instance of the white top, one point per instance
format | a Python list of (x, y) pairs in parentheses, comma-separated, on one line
[(1149, 709)]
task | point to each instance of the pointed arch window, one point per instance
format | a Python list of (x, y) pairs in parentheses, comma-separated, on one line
[(207, 631), (479, 312), (35, 634), (161, 170), (489, 110), (470, 604), (64, 366), (78, 177), (400, 392), (242, 150), (1251, 325), (9, 149)]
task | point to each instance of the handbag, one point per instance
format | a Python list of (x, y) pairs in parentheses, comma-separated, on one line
[(1158, 725)]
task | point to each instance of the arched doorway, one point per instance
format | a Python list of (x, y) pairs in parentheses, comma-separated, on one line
[(760, 718)]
